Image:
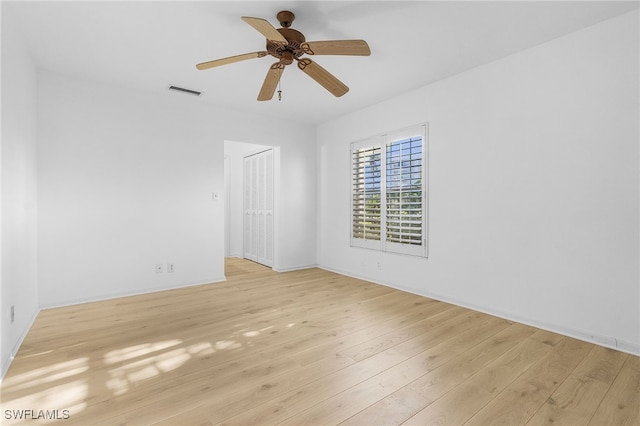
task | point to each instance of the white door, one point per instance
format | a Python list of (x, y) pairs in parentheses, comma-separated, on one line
[(258, 207)]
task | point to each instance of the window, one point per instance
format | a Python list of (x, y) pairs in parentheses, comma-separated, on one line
[(388, 192)]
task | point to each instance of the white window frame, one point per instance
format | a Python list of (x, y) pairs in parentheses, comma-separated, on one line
[(381, 142)]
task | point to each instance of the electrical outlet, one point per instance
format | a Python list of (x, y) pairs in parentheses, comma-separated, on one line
[(158, 268), (170, 267), (12, 314)]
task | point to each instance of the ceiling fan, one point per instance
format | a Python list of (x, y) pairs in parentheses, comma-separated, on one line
[(287, 45)]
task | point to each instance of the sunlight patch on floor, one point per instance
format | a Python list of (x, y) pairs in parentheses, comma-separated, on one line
[(227, 344), (131, 352), (47, 374), (71, 396), (153, 361)]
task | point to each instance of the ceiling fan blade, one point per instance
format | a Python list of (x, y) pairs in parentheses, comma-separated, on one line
[(230, 60), (271, 82), (336, 47), (323, 77), (265, 28)]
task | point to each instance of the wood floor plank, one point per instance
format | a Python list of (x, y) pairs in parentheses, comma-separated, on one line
[(298, 399), (577, 398), (221, 331), (396, 336), (187, 400), (392, 410), (621, 405), (482, 387), (234, 373), (455, 369), (307, 347), (520, 400), (285, 406), (438, 382), (333, 410)]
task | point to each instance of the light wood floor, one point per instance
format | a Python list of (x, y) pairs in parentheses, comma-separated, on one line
[(309, 348)]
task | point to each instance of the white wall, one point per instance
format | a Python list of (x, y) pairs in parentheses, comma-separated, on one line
[(126, 181), (18, 191), (533, 187)]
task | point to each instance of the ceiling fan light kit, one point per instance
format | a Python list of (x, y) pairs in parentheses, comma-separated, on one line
[(289, 45)]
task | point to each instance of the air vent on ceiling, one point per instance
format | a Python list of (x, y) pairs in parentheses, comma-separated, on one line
[(183, 90)]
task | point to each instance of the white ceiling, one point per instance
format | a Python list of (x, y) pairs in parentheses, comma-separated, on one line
[(150, 45)]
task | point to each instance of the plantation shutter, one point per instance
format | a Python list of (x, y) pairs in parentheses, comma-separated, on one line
[(388, 192), (404, 191), (366, 194)]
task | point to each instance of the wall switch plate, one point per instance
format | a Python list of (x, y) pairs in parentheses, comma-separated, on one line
[(12, 314), (170, 267), (158, 268)]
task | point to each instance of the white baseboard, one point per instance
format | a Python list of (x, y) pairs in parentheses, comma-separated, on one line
[(294, 268), (64, 303), (630, 348), (6, 363), (606, 341)]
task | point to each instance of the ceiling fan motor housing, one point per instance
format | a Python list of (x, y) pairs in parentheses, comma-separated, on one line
[(293, 49)]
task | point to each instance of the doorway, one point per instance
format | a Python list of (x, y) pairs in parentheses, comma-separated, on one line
[(251, 195)]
